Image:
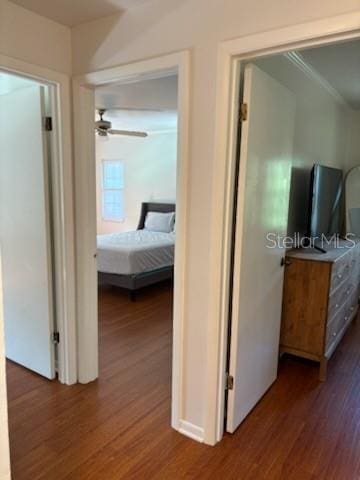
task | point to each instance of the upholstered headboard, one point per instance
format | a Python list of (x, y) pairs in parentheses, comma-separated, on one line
[(154, 207)]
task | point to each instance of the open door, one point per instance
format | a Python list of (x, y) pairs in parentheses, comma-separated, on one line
[(262, 208), (25, 231)]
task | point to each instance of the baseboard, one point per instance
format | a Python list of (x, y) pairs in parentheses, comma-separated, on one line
[(191, 431)]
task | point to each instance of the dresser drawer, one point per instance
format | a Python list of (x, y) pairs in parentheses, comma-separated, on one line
[(355, 269), (341, 271), (341, 319), (354, 300), (339, 297), (336, 325)]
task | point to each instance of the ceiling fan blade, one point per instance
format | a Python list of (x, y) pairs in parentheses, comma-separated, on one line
[(129, 133), (135, 109)]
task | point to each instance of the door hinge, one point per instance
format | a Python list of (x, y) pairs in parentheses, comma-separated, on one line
[(48, 124), (229, 382), (56, 337), (243, 112)]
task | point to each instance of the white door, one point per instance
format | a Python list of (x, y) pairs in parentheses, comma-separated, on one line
[(262, 208), (25, 232)]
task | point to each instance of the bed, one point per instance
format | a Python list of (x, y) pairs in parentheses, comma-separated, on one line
[(133, 260)]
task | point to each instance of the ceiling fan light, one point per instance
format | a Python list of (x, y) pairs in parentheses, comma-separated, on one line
[(103, 137), (102, 133)]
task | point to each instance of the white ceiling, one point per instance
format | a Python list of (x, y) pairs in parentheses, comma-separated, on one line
[(148, 105), (74, 12), (340, 66), (153, 94)]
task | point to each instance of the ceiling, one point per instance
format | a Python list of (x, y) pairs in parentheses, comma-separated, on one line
[(75, 12), (340, 66), (153, 94), (148, 105)]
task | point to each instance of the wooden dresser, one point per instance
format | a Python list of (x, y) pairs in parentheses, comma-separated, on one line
[(321, 297)]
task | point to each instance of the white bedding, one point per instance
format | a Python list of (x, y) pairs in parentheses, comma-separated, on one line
[(134, 252)]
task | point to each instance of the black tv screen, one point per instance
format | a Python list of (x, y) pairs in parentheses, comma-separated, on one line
[(326, 194)]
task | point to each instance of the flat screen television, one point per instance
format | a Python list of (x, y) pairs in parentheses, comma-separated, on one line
[(326, 202)]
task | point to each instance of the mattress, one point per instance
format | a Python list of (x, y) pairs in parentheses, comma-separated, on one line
[(134, 252)]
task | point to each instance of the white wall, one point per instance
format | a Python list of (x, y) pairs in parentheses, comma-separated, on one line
[(322, 133), (150, 174), (165, 26), (26, 36), (353, 156)]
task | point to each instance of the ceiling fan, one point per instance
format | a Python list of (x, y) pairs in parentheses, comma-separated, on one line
[(103, 128)]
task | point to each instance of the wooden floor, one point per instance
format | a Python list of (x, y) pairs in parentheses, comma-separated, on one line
[(118, 427)]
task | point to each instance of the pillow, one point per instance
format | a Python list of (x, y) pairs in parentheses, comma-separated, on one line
[(160, 222)]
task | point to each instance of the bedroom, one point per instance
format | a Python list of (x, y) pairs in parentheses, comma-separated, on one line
[(135, 201)]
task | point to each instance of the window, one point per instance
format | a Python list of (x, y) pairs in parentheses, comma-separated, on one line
[(113, 190)]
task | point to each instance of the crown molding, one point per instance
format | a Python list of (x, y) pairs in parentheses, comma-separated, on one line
[(296, 59)]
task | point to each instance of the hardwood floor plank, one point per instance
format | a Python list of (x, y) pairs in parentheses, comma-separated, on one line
[(119, 426)]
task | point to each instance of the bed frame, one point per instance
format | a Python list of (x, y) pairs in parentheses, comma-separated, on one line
[(134, 282)]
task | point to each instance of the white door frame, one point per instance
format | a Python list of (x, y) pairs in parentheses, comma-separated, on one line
[(85, 194), (61, 159), (230, 55)]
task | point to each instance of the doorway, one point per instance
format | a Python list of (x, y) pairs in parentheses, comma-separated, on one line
[(35, 270), (297, 146), (84, 97), (26, 225), (136, 167)]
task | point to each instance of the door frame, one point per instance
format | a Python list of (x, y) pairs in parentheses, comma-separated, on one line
[(231, 55), (85, 194), (63, 219)]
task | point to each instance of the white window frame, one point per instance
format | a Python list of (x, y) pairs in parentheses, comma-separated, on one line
[(105, 217)]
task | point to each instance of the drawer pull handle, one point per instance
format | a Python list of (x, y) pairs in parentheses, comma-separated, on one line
[(285, 262), (351, 309), (339, 275), (337, 305), (346, 318), (334, 334)]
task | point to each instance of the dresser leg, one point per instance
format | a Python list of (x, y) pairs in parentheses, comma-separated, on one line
[(323, 369)]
